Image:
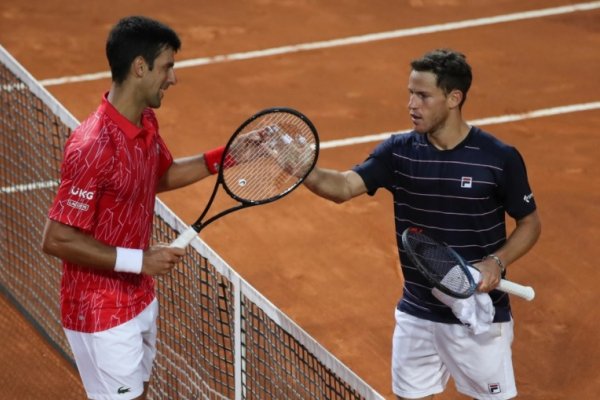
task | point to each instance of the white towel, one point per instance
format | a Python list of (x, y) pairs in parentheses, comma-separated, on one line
[(476, 312)]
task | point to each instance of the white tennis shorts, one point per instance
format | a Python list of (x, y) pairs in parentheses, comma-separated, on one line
[(425, 354), (114, 364)]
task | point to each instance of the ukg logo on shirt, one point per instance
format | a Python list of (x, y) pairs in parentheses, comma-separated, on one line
[(84, 194)]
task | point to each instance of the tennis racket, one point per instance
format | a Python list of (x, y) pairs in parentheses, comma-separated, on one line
[(447, 270), (266, 158)]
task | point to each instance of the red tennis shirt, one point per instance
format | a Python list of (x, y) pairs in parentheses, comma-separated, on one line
[(109, 176)]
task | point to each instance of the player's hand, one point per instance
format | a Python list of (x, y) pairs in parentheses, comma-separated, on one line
[(249, 146), (290, 151), (161, 259), (490, 275)]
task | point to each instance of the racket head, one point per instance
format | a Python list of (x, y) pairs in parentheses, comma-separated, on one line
[(269, 155), (440, 264)]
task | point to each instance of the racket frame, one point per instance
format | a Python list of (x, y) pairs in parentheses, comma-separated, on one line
[(246, 202), (188, 235), (458, 262)]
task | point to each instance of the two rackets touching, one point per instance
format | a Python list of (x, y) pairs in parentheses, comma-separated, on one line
[(447, 270), (266, 158)]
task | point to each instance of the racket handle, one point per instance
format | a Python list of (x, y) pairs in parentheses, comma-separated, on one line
[(525, 292), (185, 238)]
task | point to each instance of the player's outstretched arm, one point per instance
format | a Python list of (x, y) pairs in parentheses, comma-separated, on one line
[(184, 171), (335, 185)]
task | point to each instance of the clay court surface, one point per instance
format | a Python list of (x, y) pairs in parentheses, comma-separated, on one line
[(333, 268)]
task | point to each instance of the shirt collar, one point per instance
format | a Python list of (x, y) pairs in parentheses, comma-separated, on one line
[(129, 128)]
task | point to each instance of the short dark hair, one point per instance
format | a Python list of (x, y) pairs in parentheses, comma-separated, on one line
[(450, 68), (137, 36)]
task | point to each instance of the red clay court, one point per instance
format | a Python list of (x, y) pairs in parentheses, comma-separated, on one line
[(334, 268)]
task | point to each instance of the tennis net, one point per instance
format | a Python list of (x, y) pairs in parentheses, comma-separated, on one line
[(218, 338)]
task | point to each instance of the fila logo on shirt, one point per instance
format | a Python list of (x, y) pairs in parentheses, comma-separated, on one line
[(84, 194), (466, 182), (494, 388)]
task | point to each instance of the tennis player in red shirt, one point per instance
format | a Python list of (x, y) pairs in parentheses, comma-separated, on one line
[(101, 219)]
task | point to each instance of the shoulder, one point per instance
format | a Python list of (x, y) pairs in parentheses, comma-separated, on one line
[(488, 142), (97, 126), (92, 140), (401, 140), (493, 149), (409, 138)]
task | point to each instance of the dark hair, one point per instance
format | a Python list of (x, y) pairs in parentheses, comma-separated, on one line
[(137, 36), (450, 68)]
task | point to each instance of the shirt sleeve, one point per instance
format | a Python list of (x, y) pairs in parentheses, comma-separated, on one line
[(518, 196), (377, 170), (83, 171)]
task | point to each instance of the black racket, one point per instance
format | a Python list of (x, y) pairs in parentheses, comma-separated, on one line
[(447, 270), (267, 157)]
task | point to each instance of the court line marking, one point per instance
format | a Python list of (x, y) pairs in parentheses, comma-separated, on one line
[(351, 40), (502, 119), (545, 112), (26, 187)]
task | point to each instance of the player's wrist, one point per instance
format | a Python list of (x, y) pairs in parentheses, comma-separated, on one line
[(213, 158), (129, 260), (498, 262)]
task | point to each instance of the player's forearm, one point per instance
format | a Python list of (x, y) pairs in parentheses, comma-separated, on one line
[(333, 185), (72, 245), (521, 240), (183, 172)]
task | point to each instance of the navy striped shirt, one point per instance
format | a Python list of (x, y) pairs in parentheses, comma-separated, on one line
[(458, 196)]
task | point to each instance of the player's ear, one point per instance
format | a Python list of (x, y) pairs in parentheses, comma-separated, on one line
[(138, 66), (454, 98)]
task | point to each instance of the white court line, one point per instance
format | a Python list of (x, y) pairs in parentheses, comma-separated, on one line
[(545, 112), (350, 40), (28, 186)]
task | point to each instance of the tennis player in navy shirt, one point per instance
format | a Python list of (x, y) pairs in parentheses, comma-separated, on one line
[(458, 183)]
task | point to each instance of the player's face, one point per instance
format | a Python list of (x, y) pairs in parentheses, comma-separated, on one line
[(160, 78), (427, 104)]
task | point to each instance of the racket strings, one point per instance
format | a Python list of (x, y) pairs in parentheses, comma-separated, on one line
[(442, 265), (269, 156)]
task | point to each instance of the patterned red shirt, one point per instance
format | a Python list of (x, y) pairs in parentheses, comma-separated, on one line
[(109, 177)]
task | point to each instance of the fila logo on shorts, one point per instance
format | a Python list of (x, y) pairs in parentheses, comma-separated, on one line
[(466, 182), (494, 388)]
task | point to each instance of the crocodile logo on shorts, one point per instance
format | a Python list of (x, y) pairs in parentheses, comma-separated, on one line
[(123, 389)]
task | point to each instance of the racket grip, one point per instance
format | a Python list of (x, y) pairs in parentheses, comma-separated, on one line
[(185, 238), (526, 292)]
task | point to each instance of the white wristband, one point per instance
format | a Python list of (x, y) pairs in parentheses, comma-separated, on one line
[(129, 260)]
